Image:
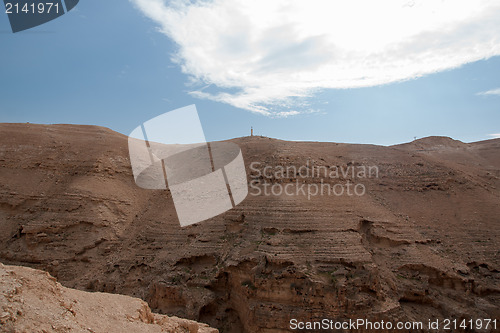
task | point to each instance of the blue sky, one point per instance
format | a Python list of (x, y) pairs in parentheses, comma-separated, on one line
[(107, 63)]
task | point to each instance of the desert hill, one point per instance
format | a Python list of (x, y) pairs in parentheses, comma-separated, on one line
[(422, 242), (433, 143)]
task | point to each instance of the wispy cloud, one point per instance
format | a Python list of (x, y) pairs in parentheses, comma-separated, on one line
[(490, 92), (273, 55), (495, 136)]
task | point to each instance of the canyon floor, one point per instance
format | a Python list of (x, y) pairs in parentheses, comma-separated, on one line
[(422, 242)]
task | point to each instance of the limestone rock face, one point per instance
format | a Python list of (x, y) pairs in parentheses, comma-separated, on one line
[(422, 242), (32, 301)]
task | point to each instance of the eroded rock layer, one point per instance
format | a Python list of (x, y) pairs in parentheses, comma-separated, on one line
[(421, 243)]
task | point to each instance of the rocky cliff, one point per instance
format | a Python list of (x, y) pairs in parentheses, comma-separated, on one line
[(421, 241)]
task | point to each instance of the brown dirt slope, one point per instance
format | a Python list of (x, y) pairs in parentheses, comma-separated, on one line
[(423, 242), (32, 301)]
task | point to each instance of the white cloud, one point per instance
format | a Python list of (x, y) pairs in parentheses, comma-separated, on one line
[(270, 56), (495, 136), (490, 92)]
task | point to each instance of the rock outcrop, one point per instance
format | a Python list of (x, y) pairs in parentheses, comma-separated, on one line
[(33, 301)]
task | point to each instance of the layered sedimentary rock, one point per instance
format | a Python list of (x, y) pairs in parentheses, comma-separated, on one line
[(420, 242)]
